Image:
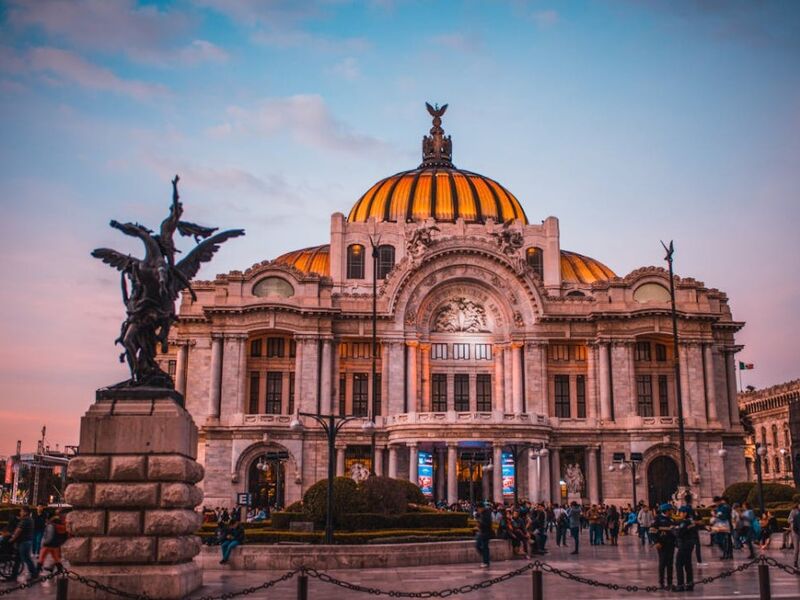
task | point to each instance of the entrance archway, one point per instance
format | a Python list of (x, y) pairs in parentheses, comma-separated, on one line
[(266, 483), (662, 480)]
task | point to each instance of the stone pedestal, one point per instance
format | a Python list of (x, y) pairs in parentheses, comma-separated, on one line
[(133, 525)]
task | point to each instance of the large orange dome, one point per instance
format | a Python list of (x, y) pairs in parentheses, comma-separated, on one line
[(437, 189)]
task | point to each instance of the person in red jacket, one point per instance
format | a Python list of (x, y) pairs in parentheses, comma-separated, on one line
[(55, 534)]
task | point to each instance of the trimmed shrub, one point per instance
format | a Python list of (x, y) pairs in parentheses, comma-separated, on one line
[(357, 537), (346, 499), (294, 507), (282, 520), (384, 495), (773, 492), (796, 498), (414, 495), (737, 492)]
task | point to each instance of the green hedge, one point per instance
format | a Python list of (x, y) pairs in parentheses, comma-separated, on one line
[(375, 521), (356, 537), (773, 492), (737, 492)]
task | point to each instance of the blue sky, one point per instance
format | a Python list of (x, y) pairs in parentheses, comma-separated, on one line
[(631, 121)]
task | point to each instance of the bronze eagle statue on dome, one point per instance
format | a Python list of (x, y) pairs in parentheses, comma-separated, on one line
[(155, 283)]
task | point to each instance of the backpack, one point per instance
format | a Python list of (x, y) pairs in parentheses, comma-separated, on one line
[(60, 536)]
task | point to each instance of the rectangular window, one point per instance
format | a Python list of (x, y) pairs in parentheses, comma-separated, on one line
[(274, 392), (358, 350), (274, 347), (579, 352), (461, 351), (558, 352), (580, 390), (255, 381), (290, 406), (661, 353), (642, 352), (376, 405), (360, 394), (172, 368), (292, 348), (255, 348), (483, 351), (438, 392), (385, 260), (439, 351), (644, 395), (663, 396), (342, 396), (562, 396), (484, 392), (461, 392)]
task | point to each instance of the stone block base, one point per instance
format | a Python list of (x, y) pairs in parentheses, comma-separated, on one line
[(167, 582)]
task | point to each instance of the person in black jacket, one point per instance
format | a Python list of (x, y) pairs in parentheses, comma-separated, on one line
[(664, 536), (686, 536), (484, 534), (234, 536)]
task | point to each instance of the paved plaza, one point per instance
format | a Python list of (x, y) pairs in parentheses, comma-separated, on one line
[(626, 564)]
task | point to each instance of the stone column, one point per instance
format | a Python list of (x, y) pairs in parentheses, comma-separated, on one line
[(499, 387), (452, 475), (133, 521), (508, 383), (180, 366), (533, 477), (385, 358), (393, 462), (425, 354), (216, 375), (497, 472), (634, 394), (378, 466), (413, 462), (340, 460), (326, 391), (298, 372), (307, 399), (711, 388), (441, 477), (334, 401), (730, 361), (411, 374), (516, 376), (591, 382), (605, 382), (394, 377), (544, 477), (555, 475), (592, 481), (233, 369)]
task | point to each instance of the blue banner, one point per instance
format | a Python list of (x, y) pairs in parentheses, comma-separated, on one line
[(425, 472), (509, 476)]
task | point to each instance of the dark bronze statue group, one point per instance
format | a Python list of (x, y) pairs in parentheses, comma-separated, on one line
[(151, 285)]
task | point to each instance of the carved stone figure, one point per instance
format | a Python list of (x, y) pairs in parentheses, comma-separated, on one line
[(359, 472), (155, 282), (419, 240), (510, 241), (461, 315), (574, 479)]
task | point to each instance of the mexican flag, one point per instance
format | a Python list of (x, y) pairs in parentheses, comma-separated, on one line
[(746, 366)]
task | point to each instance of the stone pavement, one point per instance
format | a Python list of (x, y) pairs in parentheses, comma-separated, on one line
[(626, 564)]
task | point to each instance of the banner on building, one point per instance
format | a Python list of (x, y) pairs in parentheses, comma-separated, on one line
[(425, 473), (509, 476)]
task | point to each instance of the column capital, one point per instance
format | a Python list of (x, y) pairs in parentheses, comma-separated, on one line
[(412, 343), (217, 335), (424, 347), (411, 444), (516, 344), (306, 337), (452, 444), (183, 342)]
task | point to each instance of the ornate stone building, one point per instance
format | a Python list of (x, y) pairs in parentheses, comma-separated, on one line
[(773, 417), (489, 334)]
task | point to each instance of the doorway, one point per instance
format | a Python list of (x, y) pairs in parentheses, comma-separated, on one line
[(266, 483), (662, 480)]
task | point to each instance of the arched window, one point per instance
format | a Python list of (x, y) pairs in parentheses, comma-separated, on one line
[(576, 294), (787, 439), (787, 463), (777, 464), (763, 436), (535, 258), (651, 292), (273, 286), (766, 465), (775, 441), (355, 261), (385, 260)]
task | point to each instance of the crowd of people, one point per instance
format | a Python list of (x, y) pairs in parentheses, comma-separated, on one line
[(34, 536)]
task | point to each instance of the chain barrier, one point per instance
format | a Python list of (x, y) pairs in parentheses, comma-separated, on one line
[(30, 584), (791, 570), (252, 590), (444, 593)]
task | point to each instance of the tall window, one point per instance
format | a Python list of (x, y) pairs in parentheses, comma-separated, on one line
[(255, 347), (642, 352), (461, 351), (777, 464), (534, 257), (787, 439), (172, 368), (385, 260), (292, 348), (275, 347), (580, 352), (787, 463), (580, 391), (342, 396), (775, 441), (376, 404), (663, 396), (562, 396), (254, 384), (483, 351), (461, 392), (360, 394), (355, 261), (290, 404), (439, 351), (558, 352), (644, 395), (765, 462), (484, 392), (439, 392), (274, 389), (764, 436), (661, 353)]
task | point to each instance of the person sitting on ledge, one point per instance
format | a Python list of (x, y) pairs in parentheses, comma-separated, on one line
[(234, 536)]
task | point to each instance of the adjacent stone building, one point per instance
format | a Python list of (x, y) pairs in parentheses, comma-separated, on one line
[(773, 414), (489, 335)]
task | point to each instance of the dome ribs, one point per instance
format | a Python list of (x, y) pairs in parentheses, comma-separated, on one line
[(411, 194)]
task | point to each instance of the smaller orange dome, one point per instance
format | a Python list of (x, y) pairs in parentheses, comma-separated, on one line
[(313, 260)]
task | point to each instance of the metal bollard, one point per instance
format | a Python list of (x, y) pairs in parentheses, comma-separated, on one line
[(302, 586), (763, 582), (62, 588), (538, 586)]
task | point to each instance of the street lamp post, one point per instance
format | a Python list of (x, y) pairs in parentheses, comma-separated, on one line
[(684, 476), (633, 462), (760, 452), (331, 425)]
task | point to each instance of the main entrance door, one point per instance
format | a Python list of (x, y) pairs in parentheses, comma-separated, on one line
[(662, 480), (266, 483)]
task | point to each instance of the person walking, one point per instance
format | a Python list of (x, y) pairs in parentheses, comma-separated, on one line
[(664, 535), (55, 534), (23, 538), (613, 520), (562, 526), (484, 535), (685, 535), (747, 528), (39, 524), (724, 526), (645, 521), (574, 514)]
